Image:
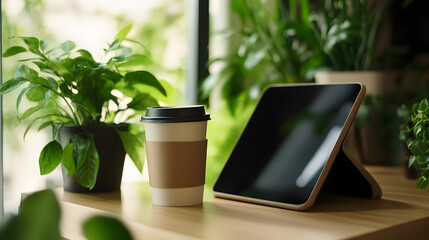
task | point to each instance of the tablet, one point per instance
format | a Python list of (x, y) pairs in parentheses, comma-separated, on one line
[(287, 148)]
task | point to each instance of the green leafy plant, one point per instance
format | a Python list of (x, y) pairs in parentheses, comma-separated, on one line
[(415, 132), (39, 219), (69, 88), (276, 46), (288, 43), (347, 33)]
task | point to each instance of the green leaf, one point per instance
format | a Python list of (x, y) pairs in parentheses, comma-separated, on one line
[(241, 8), (403, 134), (13, 51), (125, 52), (87, 174), (134, 147), (26, 72), (30, 111), (18, 101), (105, 228), (337, 33), (85, 54), (12, 84), (53, 83), (425, 173), (142, 101), (113, 46), (32, 42), (116, 59), (254, 58), (45, 125), (411, 161), (50, 157), (47, 68), (48, 111), (418, 131), (422, 183), (423, 159), (36, 93), (38, 219), (67, 46), (41, 81), (123, 33), (136, 60), (145, 78), (43, 43), (33, 45), (423, 105), (417, 147), (67, 159), (51, 52), (81, 146)]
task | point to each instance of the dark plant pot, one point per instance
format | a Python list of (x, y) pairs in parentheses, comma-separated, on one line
[(111, 153)]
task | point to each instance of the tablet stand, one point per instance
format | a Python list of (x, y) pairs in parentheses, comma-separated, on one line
[(348, 176)]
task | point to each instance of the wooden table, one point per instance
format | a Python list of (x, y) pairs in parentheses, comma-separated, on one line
[(402, 213)]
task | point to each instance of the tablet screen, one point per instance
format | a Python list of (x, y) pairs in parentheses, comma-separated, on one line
[(287, 141)]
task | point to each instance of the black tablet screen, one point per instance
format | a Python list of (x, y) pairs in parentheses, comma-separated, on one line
[(287, 141)]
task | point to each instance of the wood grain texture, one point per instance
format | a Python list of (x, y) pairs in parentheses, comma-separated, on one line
[(402, 213)]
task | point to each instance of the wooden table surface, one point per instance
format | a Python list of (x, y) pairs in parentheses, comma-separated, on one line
[(402, 213)]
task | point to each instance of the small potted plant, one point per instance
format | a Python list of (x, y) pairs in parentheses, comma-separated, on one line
[(415, 133), (88, 105)]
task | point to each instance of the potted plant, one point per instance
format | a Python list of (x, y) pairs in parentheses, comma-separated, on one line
[(347, 36), (88, 105), (415, 133)]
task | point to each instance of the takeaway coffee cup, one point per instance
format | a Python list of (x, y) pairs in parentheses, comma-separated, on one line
[(176, 147)]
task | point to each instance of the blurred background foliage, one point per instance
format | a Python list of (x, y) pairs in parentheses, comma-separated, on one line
[(275, 47), (39, 219), (288, 41)]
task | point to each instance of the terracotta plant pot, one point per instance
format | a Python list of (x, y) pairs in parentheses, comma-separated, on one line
[(111, 153)]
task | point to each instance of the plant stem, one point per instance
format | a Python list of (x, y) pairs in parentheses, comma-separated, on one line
[(75, 116)]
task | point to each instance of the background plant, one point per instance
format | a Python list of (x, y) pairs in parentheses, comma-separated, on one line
[(288, 43), (73, 89), (415, 133), (275, 47), (347, 33)]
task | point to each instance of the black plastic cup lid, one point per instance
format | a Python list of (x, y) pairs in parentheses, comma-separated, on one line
[(194, 113)]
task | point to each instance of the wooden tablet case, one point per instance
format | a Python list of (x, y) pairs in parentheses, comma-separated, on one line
[(347, 175)]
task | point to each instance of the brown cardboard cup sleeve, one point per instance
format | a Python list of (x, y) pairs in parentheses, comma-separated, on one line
[(176, 164)]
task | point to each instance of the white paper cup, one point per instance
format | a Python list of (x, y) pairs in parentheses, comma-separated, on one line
[(176, 153)]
